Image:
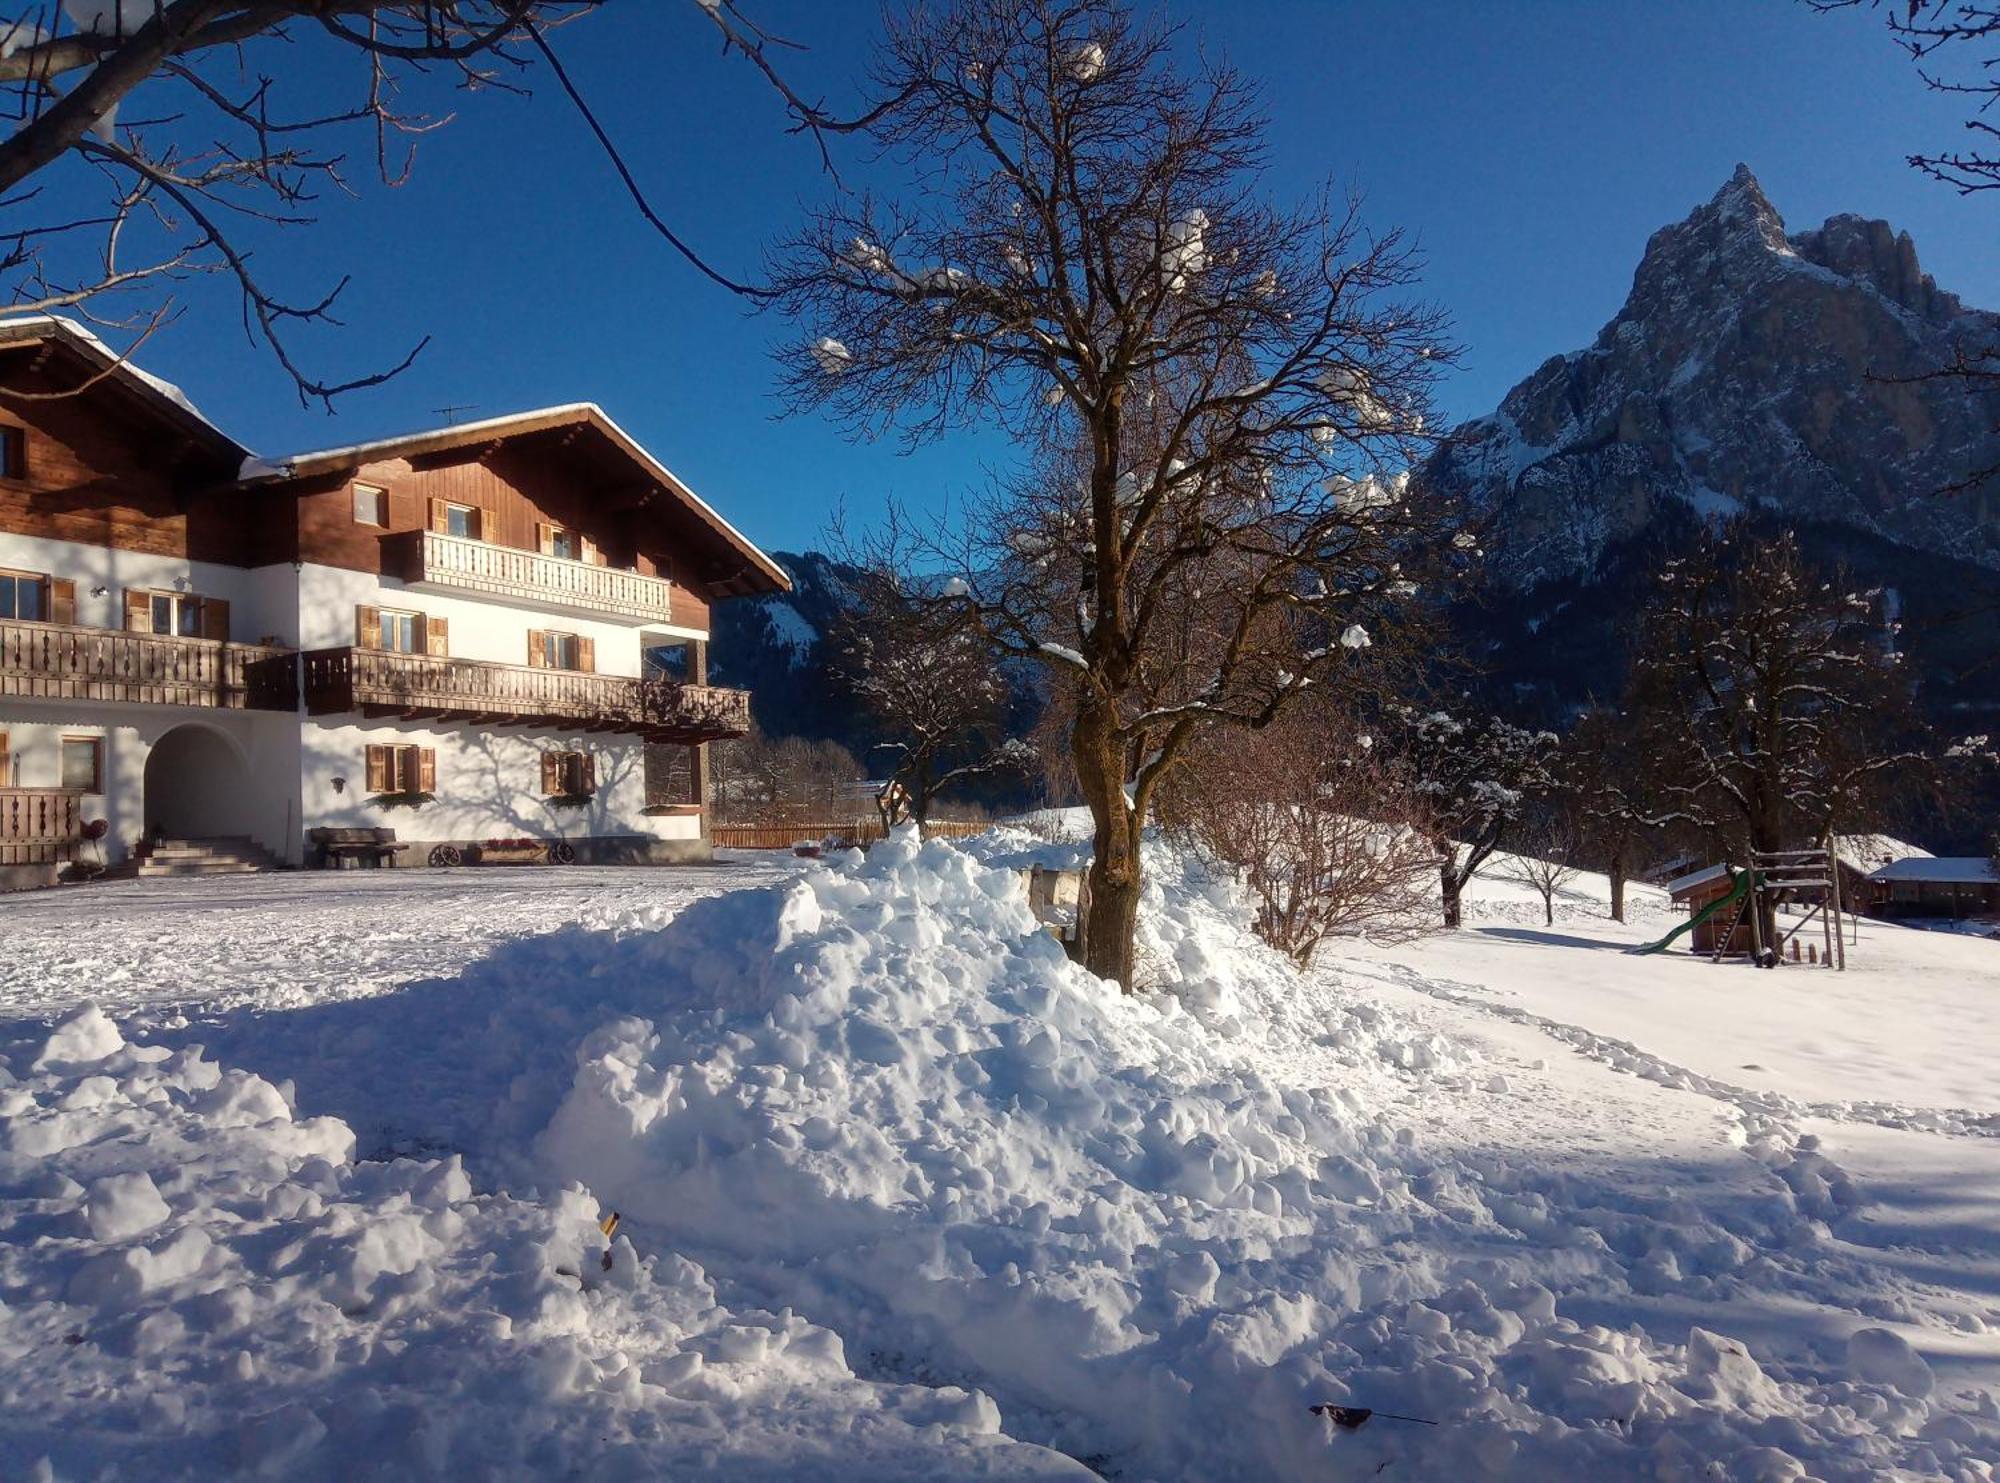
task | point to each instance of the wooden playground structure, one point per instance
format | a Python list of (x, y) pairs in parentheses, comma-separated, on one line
[(1731, 910)]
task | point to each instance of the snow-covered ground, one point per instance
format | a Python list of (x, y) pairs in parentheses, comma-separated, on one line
[(906, 1194)]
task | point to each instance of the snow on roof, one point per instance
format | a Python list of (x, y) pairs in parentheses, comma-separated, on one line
[(80, 337), (535, 419), (1693, 878), (1960, 870), (1866, 852)]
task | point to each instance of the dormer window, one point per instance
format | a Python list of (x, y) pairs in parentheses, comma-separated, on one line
[(449, 518), (564, 543)]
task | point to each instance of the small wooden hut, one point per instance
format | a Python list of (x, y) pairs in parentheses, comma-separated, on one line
[(1699, 889)]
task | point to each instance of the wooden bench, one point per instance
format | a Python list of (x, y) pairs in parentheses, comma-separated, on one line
[(350, 849)]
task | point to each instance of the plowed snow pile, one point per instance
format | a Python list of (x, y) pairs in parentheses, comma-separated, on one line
[(880, 1104)]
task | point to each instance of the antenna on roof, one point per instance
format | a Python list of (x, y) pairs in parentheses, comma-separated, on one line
[(450, 413)]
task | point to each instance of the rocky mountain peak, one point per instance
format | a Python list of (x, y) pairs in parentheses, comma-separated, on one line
[(1747, 369)]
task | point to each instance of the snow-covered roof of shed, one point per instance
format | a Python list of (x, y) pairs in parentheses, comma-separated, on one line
[(1693, 878), (46, 328), (515, 424), (1957, 870), (1866, 852)]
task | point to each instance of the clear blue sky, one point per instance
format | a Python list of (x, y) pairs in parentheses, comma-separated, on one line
[(1531, 145)]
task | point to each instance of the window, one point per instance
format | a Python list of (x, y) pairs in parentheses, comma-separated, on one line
[(178, 614), (401, 633), (548, 649), (461, 520), (402, 769), (83, 764), (562, 543), (569, 774), (371, 505), (24, 595), (13, 453), (7, 779)]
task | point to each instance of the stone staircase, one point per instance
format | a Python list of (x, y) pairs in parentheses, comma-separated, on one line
[(230, 855)]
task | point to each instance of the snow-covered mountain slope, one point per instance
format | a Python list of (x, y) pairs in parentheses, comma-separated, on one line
[(1748, 369)]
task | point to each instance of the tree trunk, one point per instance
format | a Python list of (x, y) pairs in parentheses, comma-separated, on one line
[(1449, 886), (1548, 911), (1113, 919), (1617, 890)]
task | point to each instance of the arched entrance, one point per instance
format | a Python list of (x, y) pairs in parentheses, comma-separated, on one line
[(197, 786)]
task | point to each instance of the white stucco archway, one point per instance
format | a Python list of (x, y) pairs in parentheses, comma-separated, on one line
[(198, 785)]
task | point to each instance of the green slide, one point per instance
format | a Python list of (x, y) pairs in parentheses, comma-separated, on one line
[(1739, 888)]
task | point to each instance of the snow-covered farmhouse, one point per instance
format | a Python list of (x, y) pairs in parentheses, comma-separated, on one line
[(489, 632), (1946, 886)]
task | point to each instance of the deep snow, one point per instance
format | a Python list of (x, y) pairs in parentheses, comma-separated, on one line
[(911, 1191)]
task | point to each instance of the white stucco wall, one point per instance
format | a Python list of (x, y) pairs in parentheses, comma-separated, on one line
[(256, 796), (262, 600), (492, 631), (489, 784), (489, 779)]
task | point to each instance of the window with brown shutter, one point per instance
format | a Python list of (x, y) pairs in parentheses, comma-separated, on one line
[(6, 764), (215, 618), (13, 453), (367, 627), (538, 649), (138, 610), (586, 655), (401, 769), (62, 600), (569, 774), (437, 637)]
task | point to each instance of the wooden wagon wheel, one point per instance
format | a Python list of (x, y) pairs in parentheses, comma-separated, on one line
[(562, 853), (446, 854)]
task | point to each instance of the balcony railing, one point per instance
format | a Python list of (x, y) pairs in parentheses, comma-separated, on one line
[(379, 683), (39, 825), (424, 558), (63, 661)]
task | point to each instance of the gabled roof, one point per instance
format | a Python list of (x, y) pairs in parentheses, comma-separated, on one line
[(100, 362), (764, 573), (1953, 870), (1681, 884)]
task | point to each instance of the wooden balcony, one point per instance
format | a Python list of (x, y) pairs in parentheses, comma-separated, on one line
[(62, 661), (377, 683), (39, 826), (426, 559)]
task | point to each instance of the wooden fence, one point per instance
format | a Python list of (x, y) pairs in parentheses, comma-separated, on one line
[(843, 832), (39, 825)]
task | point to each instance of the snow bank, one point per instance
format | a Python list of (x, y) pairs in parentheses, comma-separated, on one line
[(883, 1097), (905, 1139), (199, 1283)]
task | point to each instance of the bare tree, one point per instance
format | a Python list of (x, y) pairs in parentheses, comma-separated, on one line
[(1326, 837), (1768, 693), (930, 682), (152, 140), (1607, 772), (1475, 776), (1209, 392), (1953, 44), (1546, 850)]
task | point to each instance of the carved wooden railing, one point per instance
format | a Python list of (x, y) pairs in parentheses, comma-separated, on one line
[(39, 825), (380, 682), (65, 661), (502, 571)]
